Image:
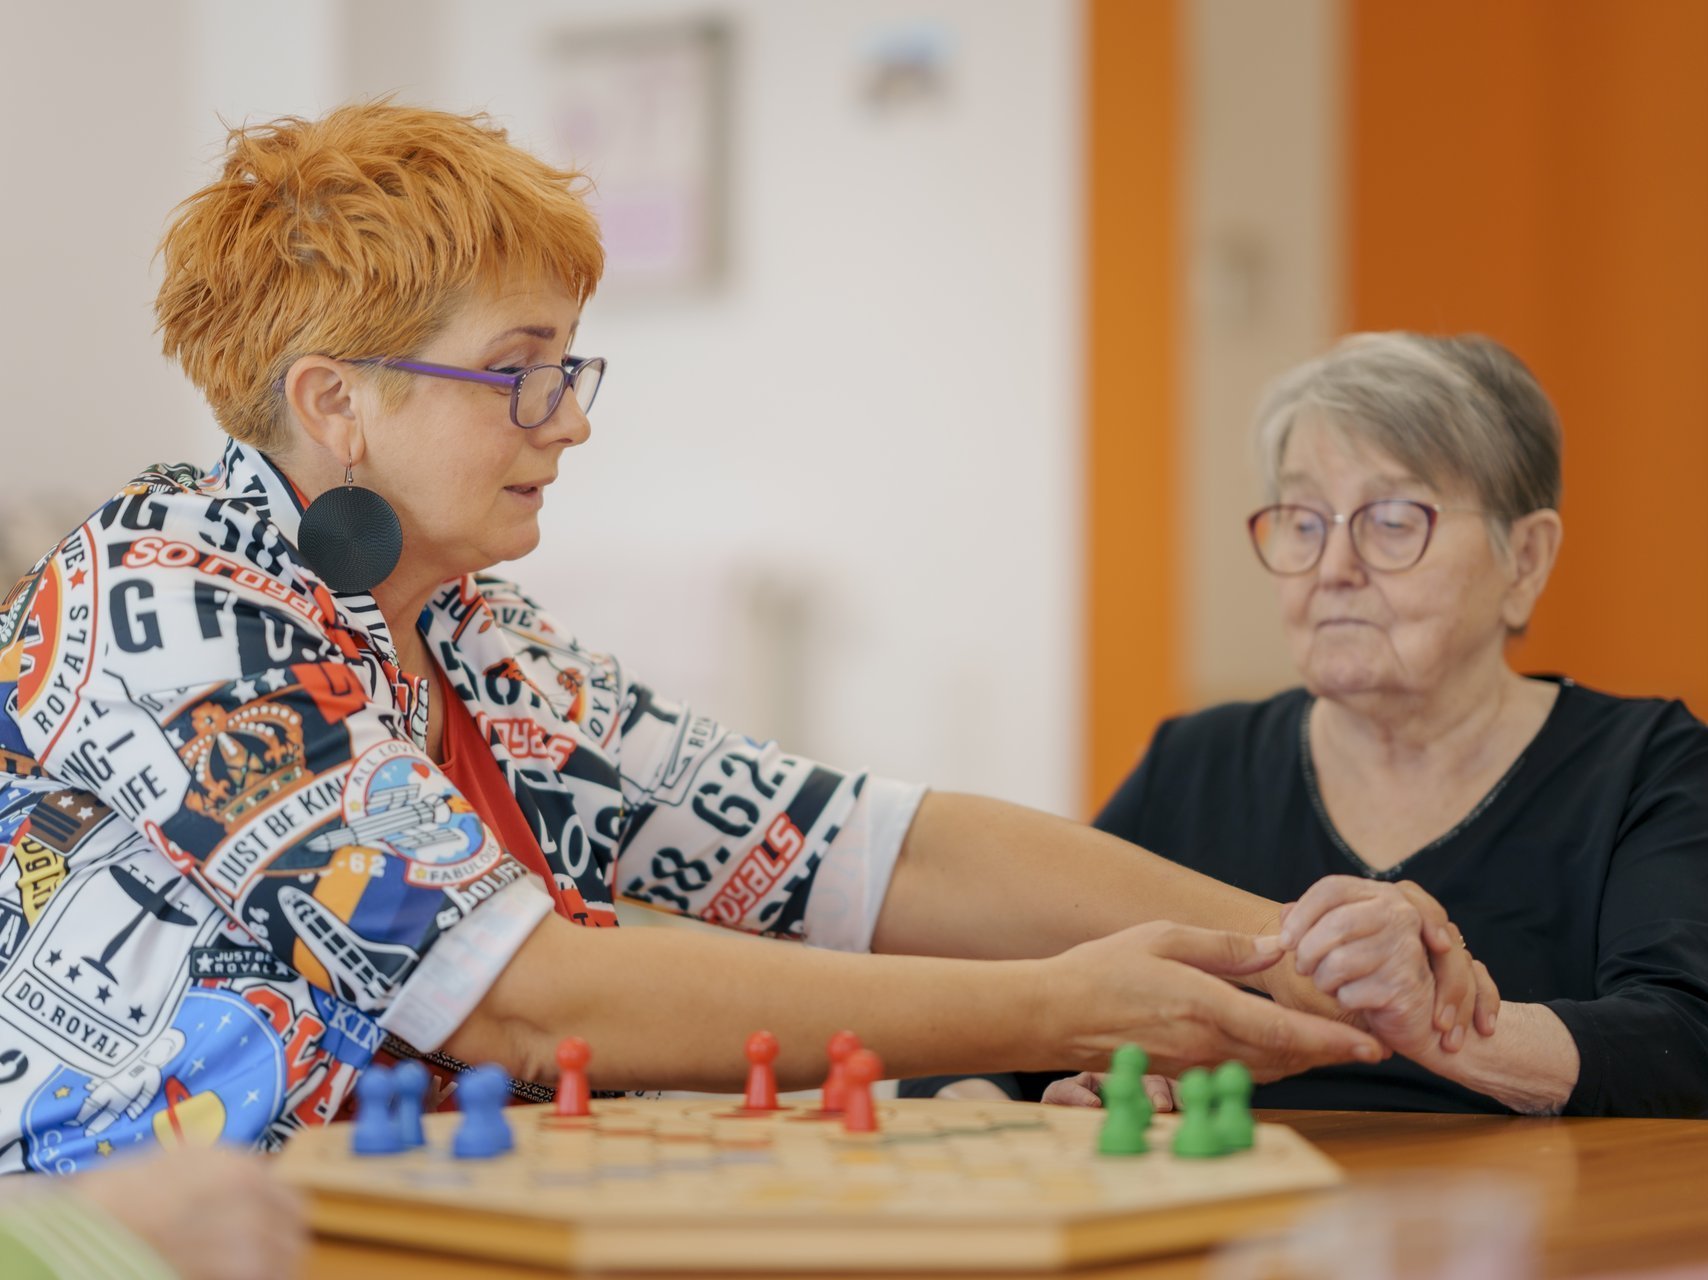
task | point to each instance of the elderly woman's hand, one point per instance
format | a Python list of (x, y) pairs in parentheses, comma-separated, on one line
[(1086, 1090), (1389, 952)]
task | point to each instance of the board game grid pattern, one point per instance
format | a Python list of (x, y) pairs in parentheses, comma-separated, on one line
[(691, 1186)]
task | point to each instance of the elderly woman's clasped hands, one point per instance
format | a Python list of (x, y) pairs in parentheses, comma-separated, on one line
[(1388, 952), (1385, 954)]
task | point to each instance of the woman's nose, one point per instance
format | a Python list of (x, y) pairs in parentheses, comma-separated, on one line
[(1340, 562), (568, 425)]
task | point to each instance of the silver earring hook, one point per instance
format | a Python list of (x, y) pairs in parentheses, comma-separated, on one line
[(349, 473)]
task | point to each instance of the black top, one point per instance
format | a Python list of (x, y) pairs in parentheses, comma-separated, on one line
[(1581, 880)]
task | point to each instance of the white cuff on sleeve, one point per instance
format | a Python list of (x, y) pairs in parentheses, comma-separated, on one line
[(848, 890), (462, 965)]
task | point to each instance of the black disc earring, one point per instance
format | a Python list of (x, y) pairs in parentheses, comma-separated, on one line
[(351, 537)]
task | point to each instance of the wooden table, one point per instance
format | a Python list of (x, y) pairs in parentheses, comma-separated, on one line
[(1616, 1196)]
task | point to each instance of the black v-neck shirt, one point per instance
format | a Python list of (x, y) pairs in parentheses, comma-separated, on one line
[(1581, 880)]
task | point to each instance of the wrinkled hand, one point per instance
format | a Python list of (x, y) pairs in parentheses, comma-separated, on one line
[(1086, 1090), (1160, 985), (973, 1089), (1389, 952), (210, 1213)]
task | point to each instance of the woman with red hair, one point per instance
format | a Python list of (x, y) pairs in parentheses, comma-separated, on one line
[(296, 782)]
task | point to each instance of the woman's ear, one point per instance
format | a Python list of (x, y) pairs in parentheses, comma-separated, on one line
[(1533, 544), (321, 397)]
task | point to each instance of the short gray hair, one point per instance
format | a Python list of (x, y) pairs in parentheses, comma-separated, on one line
[(1449, 409)]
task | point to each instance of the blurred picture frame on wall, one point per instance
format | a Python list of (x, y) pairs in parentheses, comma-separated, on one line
[(643, 110)]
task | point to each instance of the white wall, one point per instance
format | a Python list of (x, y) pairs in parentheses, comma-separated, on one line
[(91, 158), (883, 402), (835, 500)]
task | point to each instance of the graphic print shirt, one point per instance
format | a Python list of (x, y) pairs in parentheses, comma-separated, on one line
[(228, 868)]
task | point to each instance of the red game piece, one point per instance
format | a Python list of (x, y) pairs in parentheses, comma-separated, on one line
[(572, 1094), (761, 1075), (862, 1070), (842, 1044)]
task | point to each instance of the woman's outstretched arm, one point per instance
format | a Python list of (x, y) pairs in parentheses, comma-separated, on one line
[(666, 1008)]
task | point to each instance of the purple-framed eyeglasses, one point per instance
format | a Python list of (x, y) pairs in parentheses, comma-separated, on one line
[(534, 392)]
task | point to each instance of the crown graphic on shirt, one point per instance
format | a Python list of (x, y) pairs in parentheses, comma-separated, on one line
[(240, 759)]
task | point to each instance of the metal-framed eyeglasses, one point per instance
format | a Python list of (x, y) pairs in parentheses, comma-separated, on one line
[(1389, 535), (535, 392)]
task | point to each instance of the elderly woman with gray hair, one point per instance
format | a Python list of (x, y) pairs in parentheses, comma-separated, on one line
[(1414, 487)]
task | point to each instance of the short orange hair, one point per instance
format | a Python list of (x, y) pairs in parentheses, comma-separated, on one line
[(354, 236)]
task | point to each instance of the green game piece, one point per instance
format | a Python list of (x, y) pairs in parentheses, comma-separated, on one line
[(1196, 1138), (1128, 1110), (1130, 1063), (1232, 1117)]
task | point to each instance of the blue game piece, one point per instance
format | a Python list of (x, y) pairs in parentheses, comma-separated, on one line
[(484, 1133), (410, 1079), (376, 1127)]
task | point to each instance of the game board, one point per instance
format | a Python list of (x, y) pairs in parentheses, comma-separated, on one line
[(948, 1185)]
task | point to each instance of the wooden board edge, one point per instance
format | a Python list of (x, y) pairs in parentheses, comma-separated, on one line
[(801, 1245), (473, 1233), (1181, 1230)]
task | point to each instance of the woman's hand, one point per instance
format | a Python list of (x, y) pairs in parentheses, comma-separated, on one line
[(1086, 1090), (1153, 985), (1389, 952), (210, 1213)]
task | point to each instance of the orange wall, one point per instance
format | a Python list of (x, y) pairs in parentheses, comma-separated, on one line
[(1132, 669), (1538, 170)]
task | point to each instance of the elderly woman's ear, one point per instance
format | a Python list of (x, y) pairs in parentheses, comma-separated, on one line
[(1533, 544)]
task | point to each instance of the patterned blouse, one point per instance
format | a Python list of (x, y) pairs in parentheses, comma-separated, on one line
[(228, 868)]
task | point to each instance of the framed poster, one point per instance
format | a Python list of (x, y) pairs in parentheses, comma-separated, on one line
[(644, 111)]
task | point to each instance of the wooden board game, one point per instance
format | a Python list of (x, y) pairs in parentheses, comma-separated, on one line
[(946, 1185)]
